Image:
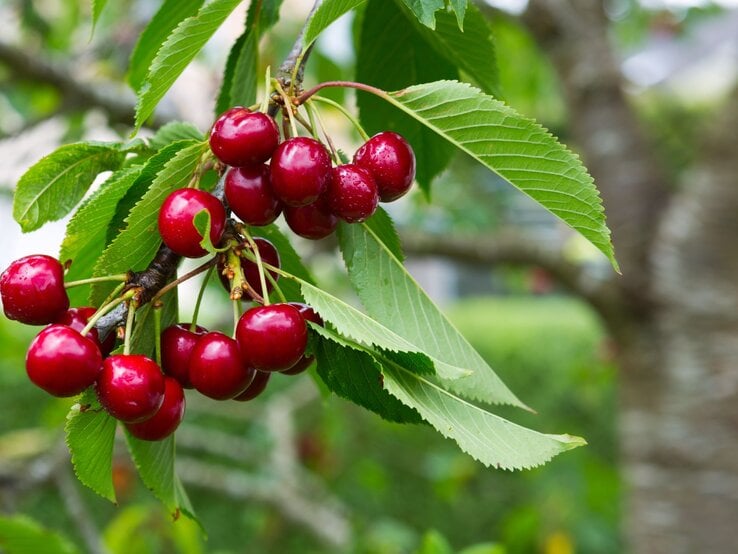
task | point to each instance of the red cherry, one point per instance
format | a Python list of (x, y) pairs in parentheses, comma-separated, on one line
[(130, 387), (308, 313), (257, 386), (217, 368), (391, 161), (272, 338), (166, 420), (269, 254), (352, 193), (250, 196), (301, 170), (176, 221), (177, 343), (241, 137), (32, 290), (314, 221), (77, 319), (63, 362)]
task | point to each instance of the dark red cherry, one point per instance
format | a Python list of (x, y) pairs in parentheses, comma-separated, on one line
[(217, 368), (308, 314), (314, 221), (130, 387), (301, 170), (250, 196), (241, 137), (63, 362), (177, 343), (391, 161), (272, 338), (167, 418), (352, 193), (176, 221), (269, 254), (32, 290), (77, 319), (257, 386)]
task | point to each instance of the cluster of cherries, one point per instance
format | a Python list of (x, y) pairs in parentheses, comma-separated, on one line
[(68, 356)]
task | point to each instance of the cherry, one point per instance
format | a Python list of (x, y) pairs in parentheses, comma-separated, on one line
[(166, 420), (217, 368), (241, 137), (250, 196), (63, 362), (130, 387), (176, 221), (308, 314), (301, 170), (269, 254), (177, 343), (272, 338), (314, 221), (391, 161), (32, 290), (77, 319), (257, 386), (352, 193)]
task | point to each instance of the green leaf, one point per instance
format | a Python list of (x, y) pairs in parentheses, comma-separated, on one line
[(459, 7), (173, 132), (327, 13), (434, 543), (170, 14), (90, 434), (356, 376), (136, 245), (492, 440), (22, 535), (394, 299), (179, 49), (516, 148), (97, 8), (55, 184), (425, 10), (392, 54)]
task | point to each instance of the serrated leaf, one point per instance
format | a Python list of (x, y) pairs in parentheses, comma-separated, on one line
[(459, 7), (170, 14), (393, 54), (173, 132), (425, 10), (356, 376), (327, 13), (22, 535), (516, 148), (488, 438), (55, 184), (394, 299), (90, 435), (136, 245)]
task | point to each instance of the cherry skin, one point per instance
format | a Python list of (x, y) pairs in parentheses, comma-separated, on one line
[(301, 169), (308, 314), (167, 418), (269, 254), (63, 362), (177, 342), (314, 221), (241, 137), (257, 386), (352, 193), (130, 387), (77, 319), (272, 338), (32, 290), (176, 221), (250, 196), (217, 368), (391, 161)]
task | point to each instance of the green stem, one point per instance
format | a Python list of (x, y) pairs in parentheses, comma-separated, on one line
[(236, 314), (331, 146), (313, 124), (267, 90), (157, 331), (105, 308), (115, 292), (273, 281), (288, 105), (200, 294), (104, 279), (129, 327), (345, 112), (260, 267)]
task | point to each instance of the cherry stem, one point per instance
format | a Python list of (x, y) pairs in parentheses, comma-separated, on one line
[(267, 90), (331, 146), (259, 266), (166, 288), (105, 308), (355, 122), (237, 280), (115, 292), (129, 327), (200, 294), (157, 306), (104, 279), (288, 106), (236, 314), (273, 281), (313, 124), (347, 84), (306, 124)]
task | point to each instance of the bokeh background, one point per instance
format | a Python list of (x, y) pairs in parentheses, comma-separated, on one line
[(295, 472)]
